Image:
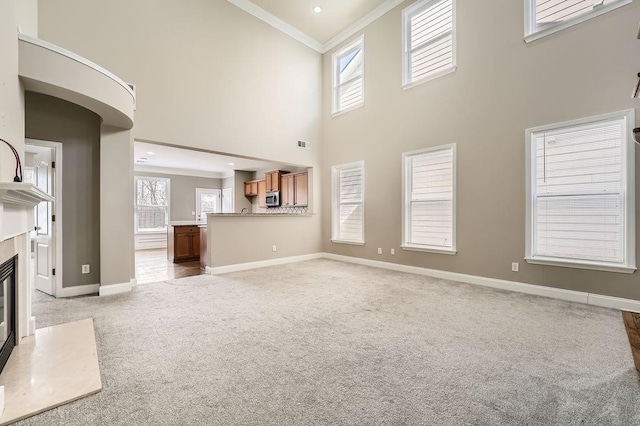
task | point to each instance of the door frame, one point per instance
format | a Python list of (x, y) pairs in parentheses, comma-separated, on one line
[(57, 225)]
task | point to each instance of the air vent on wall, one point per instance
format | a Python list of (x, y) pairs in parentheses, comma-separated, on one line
[(304, 145)]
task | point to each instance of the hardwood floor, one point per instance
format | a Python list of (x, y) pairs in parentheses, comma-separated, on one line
[(153, 266)]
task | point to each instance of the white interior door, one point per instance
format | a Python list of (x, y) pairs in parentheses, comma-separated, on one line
[(207, 201), (43, 250), (227, 200)]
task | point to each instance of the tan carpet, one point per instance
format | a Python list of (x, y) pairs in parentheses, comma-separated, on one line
[(323, 342)]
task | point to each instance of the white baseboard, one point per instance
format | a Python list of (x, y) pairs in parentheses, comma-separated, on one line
[(260, 264), (78, 290), (1, 400), (108, 290), (538, 290), (134, 282)]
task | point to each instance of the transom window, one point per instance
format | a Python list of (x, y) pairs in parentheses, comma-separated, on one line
[(151, 204), (428, 29), (429, 200), (543, 17), (580, 199), (348, 203), (348, 77)]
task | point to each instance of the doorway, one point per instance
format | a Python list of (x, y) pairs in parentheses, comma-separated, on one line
[(43, 159)]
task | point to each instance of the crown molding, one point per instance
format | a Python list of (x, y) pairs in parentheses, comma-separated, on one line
[(307, 40), (277, 23)]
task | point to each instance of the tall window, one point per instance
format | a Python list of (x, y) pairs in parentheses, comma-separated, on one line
[(580, 193), (348, 77), (543, 17), (151, 204), (429, 39), (429, 199), (348, 203)]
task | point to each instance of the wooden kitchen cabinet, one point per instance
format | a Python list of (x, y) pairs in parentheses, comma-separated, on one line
[(295, 190), (251, 188), (183, 243), (274, 180), (262, 193)]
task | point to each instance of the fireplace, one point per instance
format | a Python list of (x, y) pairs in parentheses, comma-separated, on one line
[(7, 309)]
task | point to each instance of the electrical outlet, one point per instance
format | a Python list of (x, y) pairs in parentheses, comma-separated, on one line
[(274, 248), (393, 251), (515, 267), (379, 250), (86, 269), (193, 213)]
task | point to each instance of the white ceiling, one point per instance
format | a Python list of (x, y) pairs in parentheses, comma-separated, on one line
[(336, 15), (174, 160)]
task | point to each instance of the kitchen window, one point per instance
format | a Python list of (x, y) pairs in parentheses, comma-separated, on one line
[(151, 204), (348, 203), (429, 199), (580, 194), (544, 17), (348, 77), (429, 41)]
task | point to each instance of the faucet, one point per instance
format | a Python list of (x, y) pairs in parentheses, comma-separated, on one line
[(244, 210)]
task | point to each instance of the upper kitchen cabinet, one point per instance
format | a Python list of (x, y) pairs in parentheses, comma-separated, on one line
[(294, 192), (274, 180), (251, 188), (262, 193)]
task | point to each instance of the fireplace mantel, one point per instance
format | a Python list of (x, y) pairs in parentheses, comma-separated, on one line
[(22, 194)]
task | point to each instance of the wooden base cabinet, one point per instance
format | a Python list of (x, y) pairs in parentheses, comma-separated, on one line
[(295, 190), (183, 243)]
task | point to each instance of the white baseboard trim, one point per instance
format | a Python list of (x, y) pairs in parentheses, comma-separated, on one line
[(134, 282), (260, 264), (108, 290), (78, 290), (538, 290)]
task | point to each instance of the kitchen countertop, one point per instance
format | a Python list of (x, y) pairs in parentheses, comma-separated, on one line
[(259, 214)]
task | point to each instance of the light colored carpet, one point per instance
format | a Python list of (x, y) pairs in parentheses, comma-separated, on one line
[(324, 342)]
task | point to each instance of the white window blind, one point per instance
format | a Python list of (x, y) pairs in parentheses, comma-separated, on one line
[(348, 77), (579, 192), (348, 203), (430, 199), (548, 16), (429, 40)]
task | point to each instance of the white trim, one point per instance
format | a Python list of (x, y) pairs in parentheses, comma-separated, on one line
[(529, 16), (78, 290), (628, 152), (277, 23), (215, 270), (252, 9), (353, 243), (57, 236), (614, 302), (410, 247), (108, 290), (77, 58), (361, 23)]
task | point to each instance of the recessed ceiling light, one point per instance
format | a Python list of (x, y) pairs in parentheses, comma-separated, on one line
[(317, 9), (151, 153), (232, 164)]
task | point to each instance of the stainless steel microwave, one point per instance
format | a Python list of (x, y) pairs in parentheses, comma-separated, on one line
[(273, 199)]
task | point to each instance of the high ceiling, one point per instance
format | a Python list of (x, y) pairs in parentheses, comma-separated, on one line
[(336, 15)]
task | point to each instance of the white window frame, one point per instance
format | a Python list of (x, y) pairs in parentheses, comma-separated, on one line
[(531, 32), (135, 203), (335, 204), (629, 264), (407, 14), (211, 191), (406, 201), (336, 83)]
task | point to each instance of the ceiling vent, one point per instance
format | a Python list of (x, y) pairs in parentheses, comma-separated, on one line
[(304, 145)]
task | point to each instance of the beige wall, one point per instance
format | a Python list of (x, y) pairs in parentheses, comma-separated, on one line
[(183, 193), (501, 87), (242, 239), (78, 129)]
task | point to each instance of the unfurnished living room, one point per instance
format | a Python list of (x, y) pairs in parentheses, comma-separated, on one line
[(319, 212)]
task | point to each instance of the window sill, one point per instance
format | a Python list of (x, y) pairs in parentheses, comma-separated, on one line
[(427, 249), (354, 243), (577, 20), (407, 86), (346, 110), (593, 266), (164, 231)]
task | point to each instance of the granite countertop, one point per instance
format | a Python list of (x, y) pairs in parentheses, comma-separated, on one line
[(259, 214)]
